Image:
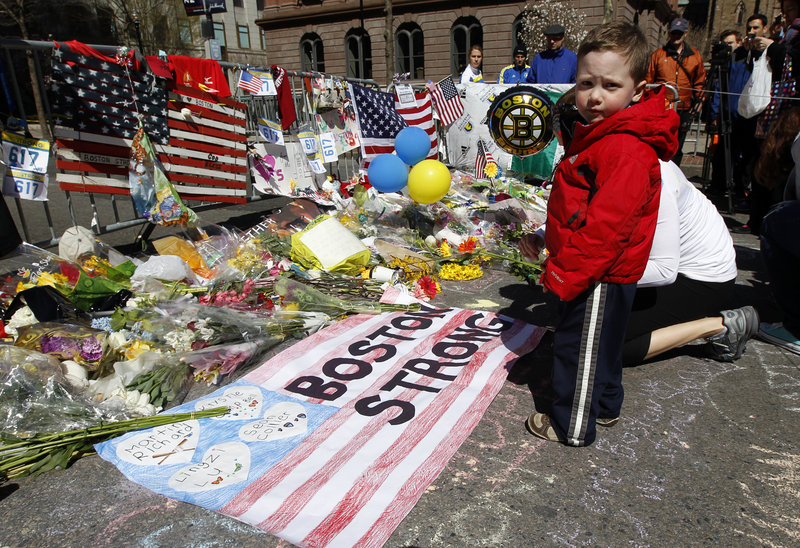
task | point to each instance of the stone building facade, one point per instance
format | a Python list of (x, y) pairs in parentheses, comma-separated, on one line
[(428, 36), (732, 14)]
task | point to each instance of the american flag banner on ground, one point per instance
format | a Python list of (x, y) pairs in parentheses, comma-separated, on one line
[(448, 102), (333, 441), (200, 138), (482, 158), (378, 122), (250, 82), (421, 116)]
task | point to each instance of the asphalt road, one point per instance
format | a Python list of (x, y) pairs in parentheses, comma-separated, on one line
[(707, 453)]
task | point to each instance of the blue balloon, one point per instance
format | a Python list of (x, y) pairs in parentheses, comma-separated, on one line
[(387, 173), (412, 145)]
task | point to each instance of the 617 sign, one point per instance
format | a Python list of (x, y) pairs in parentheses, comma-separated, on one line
[(27, 159)]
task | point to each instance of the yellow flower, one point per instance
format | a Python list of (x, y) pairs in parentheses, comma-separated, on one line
[(51, 279), (135, 348), (455, 271), (490, 170), (412, 268), (444, 249)]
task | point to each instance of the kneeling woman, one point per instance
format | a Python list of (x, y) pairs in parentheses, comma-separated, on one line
[(689, 280)]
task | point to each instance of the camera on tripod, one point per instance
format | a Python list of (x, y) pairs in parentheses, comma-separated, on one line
[(721, 54)]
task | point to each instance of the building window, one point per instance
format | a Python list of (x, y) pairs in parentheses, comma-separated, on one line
[(238, 3), (312, 55), (739, 12), (263, 36), (219, 33), (243, 31), (259, 5), (358, 54), (410, 51), (465, 33)]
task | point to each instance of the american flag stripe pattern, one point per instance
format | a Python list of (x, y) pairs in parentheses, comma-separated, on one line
[(204, 155), (482, 159), (249, 82), (378, 122), (448, 102), (355, 477), (421, 116)]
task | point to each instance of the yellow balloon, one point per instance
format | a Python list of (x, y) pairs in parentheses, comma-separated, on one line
[(428, 181)]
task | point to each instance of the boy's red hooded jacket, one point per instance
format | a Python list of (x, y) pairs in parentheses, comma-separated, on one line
[(602, 210)]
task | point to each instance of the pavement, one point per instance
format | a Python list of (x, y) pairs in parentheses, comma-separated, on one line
[(706, 453)]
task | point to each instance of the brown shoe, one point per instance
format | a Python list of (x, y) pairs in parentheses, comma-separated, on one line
[(539, 425), (606, 422)]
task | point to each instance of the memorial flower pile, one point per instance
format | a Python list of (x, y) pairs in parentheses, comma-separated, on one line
[(126, 337)]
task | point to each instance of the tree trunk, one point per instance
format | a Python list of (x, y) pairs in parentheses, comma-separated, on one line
[(389, 37), (608, 11)]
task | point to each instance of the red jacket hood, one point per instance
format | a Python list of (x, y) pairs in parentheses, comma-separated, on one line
[(649, 120)]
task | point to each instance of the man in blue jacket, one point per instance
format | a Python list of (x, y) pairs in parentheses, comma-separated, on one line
[(518, 72), (556, 64)]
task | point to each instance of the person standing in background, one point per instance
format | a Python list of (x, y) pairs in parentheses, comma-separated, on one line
[(473, 71), (518, 71), (681, 66), (556, 64)]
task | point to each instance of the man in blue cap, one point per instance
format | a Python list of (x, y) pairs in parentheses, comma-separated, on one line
[(556, 64), (681, 66), (518, 72)]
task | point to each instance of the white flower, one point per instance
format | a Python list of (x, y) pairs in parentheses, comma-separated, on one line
[(130, 369), (22, 317), (106, 388), (136, 302), (111, 391), (181, 339), (117, 339), (202, 330), (75, 374)]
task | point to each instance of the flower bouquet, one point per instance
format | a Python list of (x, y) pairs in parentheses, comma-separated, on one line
[(211, 364), (298, 296), (42, 452)]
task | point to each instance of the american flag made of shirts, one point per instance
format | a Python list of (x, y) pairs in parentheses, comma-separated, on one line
[(448, 102), (482, 159), (421, 116), (378, 122), (249, 82), (200, 138)]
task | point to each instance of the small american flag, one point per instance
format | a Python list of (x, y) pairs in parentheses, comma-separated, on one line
[(378, 122), (448, 103), (250, 83), (482, 159), (421, 116)]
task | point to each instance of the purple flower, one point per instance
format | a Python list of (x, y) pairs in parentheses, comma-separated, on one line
[(63, 346), (91, 349)]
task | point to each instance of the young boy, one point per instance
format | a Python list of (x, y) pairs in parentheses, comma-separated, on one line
[(600, 222)]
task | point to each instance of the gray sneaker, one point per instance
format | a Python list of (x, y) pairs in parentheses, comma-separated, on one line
[(742, 325)]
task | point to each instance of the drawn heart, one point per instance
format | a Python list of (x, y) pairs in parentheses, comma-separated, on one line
[(222, 465), (169, 444), (244, 402), (282, 420)]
